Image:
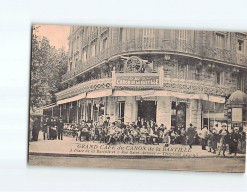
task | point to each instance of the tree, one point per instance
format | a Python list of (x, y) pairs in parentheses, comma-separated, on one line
[(47, 67)]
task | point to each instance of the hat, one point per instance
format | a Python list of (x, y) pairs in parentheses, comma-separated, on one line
[(223, 125)]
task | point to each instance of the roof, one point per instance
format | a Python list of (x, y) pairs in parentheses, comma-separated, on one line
[(238, 97)]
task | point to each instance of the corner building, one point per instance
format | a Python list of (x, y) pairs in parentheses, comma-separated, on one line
[(175, 77)]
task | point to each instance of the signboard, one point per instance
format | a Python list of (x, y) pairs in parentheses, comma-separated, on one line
[(137, 79), (237, 115)]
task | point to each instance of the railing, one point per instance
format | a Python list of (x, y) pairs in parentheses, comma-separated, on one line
[(150, 44)]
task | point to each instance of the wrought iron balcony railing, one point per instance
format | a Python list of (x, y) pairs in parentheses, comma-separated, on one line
[(150, 44)]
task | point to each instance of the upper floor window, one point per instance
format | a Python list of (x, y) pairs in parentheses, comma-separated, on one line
[(84, 55), (240, 45), (219, 41), (70, 66), (93, 50), (121, 34), (219, 78), (182, 34), (105, 43), (148, 33)]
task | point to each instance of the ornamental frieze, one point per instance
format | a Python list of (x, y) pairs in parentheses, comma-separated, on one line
[(85, 87), (196, 88)]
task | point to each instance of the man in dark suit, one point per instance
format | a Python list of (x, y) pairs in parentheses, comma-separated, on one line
[(60, 129), (190, 135)]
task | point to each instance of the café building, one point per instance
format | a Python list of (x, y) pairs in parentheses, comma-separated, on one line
[(174, 77)]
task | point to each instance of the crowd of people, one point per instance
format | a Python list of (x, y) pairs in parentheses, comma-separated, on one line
[(215, 140)]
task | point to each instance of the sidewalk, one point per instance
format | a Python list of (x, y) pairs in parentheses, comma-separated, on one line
[(70, 147)]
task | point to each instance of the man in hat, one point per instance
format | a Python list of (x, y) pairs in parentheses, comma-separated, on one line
[(203, 135), (233, 141), (60, 129), (190, 135), (213, 140), (223, 139)]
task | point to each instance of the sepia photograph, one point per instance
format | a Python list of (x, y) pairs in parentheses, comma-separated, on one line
[(138, 98)]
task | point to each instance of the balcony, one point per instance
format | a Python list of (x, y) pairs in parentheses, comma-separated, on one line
[(152, 45)]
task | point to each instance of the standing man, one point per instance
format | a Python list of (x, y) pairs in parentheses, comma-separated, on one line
[(223, 134), (35, 130), (60, 129), (139, 123), (106, 124), (30, 128), (233, 145), (204, 135), (190, 135), (45, 127)]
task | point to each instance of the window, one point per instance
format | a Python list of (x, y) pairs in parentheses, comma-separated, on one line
[(84, 55), (240, 45), (93, 50), (148, 33), (182, 35), (121, 111), (121, 35), (70, 66), (219, 78), (105, 43), (219, 41)]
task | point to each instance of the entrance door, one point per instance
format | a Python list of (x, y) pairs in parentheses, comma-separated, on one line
[(178, 117), (147, 110)]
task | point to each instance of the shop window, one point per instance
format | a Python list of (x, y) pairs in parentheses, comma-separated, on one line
[(95, 112)]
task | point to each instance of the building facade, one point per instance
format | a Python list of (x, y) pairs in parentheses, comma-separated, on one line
[(174, 77)]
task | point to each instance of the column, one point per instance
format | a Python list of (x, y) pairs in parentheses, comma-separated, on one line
[(163, 113), (199, 114), (110, 109), (196, 113), (188, 115), (130, 110), (193, 112)]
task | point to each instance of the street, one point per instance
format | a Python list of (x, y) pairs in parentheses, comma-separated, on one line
[(216, 164)]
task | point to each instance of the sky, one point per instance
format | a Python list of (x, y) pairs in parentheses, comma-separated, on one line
[(56, 34)]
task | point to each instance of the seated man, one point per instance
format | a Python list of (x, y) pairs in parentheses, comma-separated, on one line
[(126, 134), (111, 133), (144, 134)]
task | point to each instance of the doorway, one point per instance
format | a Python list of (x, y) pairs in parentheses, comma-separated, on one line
[(147, 110), (178, 115)]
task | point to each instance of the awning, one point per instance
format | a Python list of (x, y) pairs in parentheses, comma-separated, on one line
[(72, 99), (214, 115), (97, 94), (217, 99), (151, 93)]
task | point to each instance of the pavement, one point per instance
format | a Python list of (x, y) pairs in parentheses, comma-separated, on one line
[(70, 147)]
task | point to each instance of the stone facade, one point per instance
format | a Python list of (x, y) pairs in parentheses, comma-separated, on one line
[(210, 63)]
